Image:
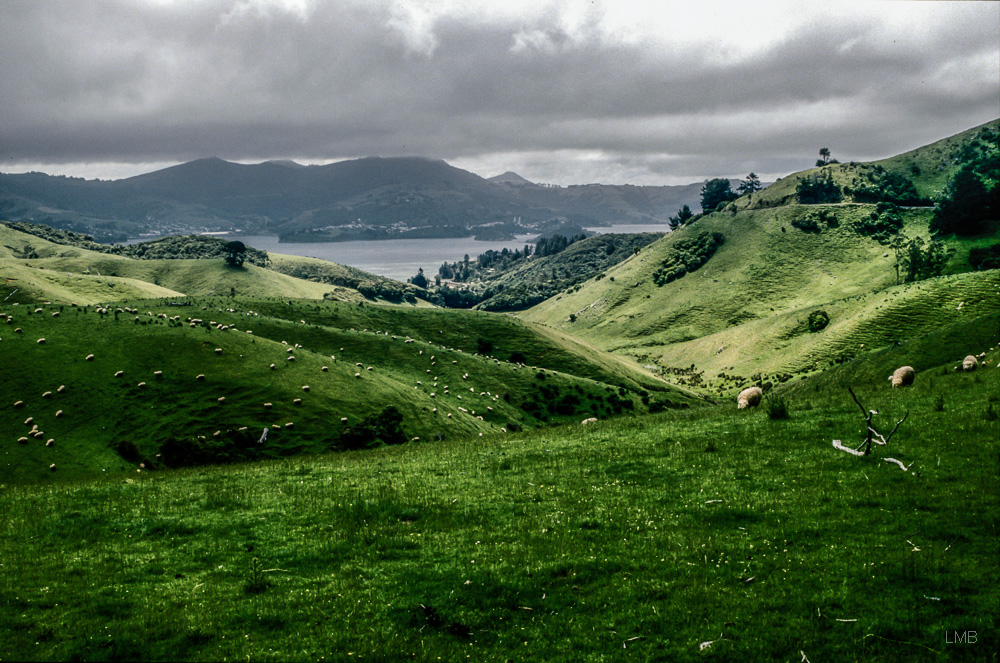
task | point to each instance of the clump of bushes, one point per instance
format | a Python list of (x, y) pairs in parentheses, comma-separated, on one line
[(818, 188), (986, 257), (777, 408), (382, 428), (687, 255), (818, 320), (877, 184), (884, 221)]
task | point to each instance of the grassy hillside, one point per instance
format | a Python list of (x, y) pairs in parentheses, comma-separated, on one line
[(743, 315), (929, 167), (441, 390), (708, 534), (30, 264)]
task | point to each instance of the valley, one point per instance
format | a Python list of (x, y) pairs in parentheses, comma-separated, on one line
[(214, 453)]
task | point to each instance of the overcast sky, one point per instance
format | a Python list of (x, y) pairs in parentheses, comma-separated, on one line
[(562, 92)]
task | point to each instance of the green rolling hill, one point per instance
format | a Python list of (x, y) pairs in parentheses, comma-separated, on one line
[(743, 315)]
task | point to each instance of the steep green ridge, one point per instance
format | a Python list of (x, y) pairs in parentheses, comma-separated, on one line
[(743, 315), (929, 167)]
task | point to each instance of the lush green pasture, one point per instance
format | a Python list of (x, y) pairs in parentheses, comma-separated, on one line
[(632, 539)]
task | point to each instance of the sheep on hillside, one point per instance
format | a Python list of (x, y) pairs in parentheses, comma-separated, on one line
[(749, 397), (970, 363), (588, 421), (902, 376)]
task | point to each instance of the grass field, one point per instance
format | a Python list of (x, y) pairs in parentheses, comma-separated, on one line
[(632, 539)]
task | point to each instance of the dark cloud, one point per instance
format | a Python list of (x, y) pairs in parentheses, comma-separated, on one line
[(564, 100)]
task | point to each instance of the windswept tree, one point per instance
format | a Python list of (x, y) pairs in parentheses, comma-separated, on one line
[(750, 185), (419, 280), (236, 253), (824, 157), (683, 215), (716, 192)]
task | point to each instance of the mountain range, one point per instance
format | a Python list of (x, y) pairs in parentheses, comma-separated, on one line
[(368, 198)]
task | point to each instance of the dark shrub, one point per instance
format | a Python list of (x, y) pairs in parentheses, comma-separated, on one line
[(818, 320)]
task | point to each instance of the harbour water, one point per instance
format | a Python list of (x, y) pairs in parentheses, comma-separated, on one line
[(401, 258)]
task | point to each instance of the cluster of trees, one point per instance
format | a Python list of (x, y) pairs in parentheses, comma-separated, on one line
[(466, 270), (817, 188), (193, 246), (686, 255), (716, 193), (884, 222), (880, 185), (971, 198), (814, 222), (917, 260)]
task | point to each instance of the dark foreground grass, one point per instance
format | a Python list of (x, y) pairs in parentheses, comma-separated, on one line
[(633, 539)]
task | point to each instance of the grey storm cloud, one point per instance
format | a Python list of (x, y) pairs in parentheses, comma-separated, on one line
[(129, 81)]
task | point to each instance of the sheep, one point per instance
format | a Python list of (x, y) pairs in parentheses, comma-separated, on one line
[(47, 394), (40, 341), (18, 403), (290, 350), (222, 400), (749, 397), (324, 369), (297, 401), (141, 385), (50, 442), (357, 375), (902, 377), (61, 388), (23, 440), (29, 421), (268, 406), (291, 358), (89, 358), (305, 387), (218, 351), (52, 467), (59, 413), (970, 363), (200, 376), (272, 367), (55, 314), (289, 425), (119, 374), (343, 420), (158, 374)]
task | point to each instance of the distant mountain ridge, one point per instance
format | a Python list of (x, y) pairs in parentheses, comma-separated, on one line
[(367, 198)]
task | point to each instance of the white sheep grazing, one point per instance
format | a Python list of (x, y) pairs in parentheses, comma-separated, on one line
[(200, 376), (970, 363), (47, 394), (40, 341), (222, 400), (749, 397), (158, 374), (59, 413), (591, 420), (61, 388), (90, 358), (305, 387), (52, 467), (902, 376), (23, 440), (268, 406), (218, 351), (297, 401), (343, 420), (119, 374), (18, 403)]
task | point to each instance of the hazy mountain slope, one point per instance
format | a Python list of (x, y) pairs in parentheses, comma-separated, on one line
[(362, 198)]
